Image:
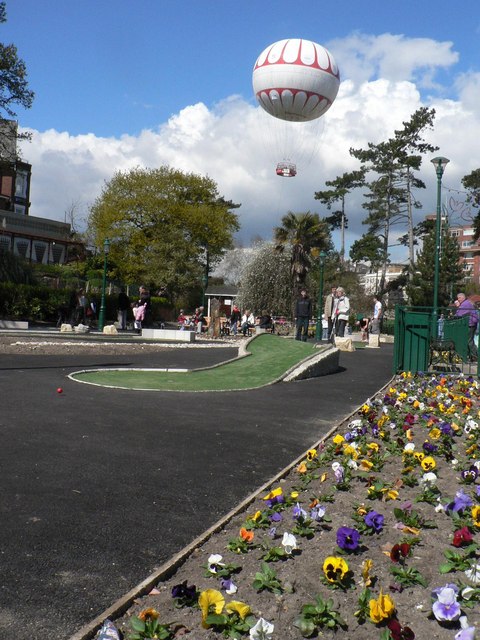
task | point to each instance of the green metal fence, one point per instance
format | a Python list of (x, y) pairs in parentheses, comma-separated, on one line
[(420, 344)]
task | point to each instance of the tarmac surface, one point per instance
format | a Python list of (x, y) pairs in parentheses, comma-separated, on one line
[(101, 486)]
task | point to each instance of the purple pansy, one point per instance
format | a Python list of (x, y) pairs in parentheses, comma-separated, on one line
[(374, 520), (460, 502), (298, 512), (348, 539)]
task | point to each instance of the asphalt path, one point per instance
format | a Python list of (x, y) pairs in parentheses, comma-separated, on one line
[(100, 486)]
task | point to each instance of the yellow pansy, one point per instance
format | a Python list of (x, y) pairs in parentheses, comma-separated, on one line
[(435, 433), (350, 451), (389, 494), (210, 601), (334, 569), (294, 494), (256, 516), (381, 609), (338, 439), (382, 420), (323, 477), (366, 569), (311, 454), (402, 395), (241, 608), (416, 404), (392, 391), (471, 449), (419, 456), (428, 463), (373, 445), (361, 511), (476, 515), (273, 494), (365, 465), (302, 468)]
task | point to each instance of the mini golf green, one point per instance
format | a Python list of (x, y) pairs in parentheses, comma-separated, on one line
[(270, 357)]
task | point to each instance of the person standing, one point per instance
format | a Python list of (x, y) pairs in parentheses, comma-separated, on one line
[(199, 319), (377, 316), (466, 307), (303, 313), (146, 302), (341, 312), (235, 318), (123, 305), (328, 311)]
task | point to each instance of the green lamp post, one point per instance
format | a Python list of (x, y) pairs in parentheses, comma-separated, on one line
[(101, 315), (439, 164), (318, 328)]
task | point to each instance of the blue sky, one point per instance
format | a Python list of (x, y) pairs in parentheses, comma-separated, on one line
[(120, 83)]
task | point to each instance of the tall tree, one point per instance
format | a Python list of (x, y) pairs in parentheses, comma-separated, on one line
[(342, 185), (389, 200), (13, 90), (266, 283), (419, 289), (163, 225), (301, 232)]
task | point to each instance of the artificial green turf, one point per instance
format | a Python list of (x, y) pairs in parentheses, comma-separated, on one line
[(271, 356)]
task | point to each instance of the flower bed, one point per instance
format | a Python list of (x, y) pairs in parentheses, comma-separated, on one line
[(374, 534)]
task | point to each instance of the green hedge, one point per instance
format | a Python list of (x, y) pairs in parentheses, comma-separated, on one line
[(41, 304)]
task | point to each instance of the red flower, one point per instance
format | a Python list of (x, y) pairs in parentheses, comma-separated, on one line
[(399, 551), (398, 632), (462, 536)]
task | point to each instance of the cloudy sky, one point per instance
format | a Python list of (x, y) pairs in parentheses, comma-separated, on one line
[(121, 84)]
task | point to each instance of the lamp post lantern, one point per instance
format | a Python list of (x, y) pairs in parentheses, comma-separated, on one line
[(101, 315), (439, 163), (318, 328)]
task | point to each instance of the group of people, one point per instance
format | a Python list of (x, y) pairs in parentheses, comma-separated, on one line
[(236, 323), (197, 322), (141, 309), (336, 315)]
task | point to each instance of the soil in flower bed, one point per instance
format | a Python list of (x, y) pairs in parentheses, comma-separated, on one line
[(418, 426)]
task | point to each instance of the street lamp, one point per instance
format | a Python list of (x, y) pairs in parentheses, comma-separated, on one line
[(318, 329), (101, 315), (439, 164)]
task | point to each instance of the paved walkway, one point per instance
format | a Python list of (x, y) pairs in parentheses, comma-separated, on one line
[(101, 487)]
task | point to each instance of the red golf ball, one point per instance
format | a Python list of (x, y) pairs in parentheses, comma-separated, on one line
[(59, 390)]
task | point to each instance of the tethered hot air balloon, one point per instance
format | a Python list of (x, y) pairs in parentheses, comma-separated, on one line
[(295, 81)]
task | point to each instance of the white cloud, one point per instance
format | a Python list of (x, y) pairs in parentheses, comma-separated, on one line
[(237, 145)]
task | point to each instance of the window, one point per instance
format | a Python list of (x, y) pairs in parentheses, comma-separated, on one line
[(467, 243)]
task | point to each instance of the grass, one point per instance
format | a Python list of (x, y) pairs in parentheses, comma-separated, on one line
[(271, 356)]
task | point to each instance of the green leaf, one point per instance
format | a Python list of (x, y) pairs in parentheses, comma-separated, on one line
[(307, 627), (137, 624)]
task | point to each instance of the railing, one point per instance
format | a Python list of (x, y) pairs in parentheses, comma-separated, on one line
[(425, 341)]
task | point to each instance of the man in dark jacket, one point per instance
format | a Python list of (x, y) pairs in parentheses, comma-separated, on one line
[(303, 313)]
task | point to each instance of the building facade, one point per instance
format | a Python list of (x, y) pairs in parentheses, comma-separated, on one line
[(38, 240)]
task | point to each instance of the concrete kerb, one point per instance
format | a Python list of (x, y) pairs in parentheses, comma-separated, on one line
[(168, 569)]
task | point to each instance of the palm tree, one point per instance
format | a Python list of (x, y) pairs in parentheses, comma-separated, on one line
[(302, 232)]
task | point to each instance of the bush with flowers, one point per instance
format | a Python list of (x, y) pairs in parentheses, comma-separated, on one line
[(375, 533)]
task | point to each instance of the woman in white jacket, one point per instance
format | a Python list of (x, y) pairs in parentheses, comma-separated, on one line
[(341, 312)]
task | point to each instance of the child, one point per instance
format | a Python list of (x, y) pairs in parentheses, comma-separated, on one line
[(139, 315)]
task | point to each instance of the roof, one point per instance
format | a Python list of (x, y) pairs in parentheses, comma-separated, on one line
[(228, 290)]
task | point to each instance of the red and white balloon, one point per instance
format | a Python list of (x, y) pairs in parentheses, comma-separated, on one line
[(296, 80)]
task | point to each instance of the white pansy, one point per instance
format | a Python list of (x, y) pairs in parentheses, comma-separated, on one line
[(214, 560), (473, 574), (262, 630), (289, 542), (408, 448), (428, 479)]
